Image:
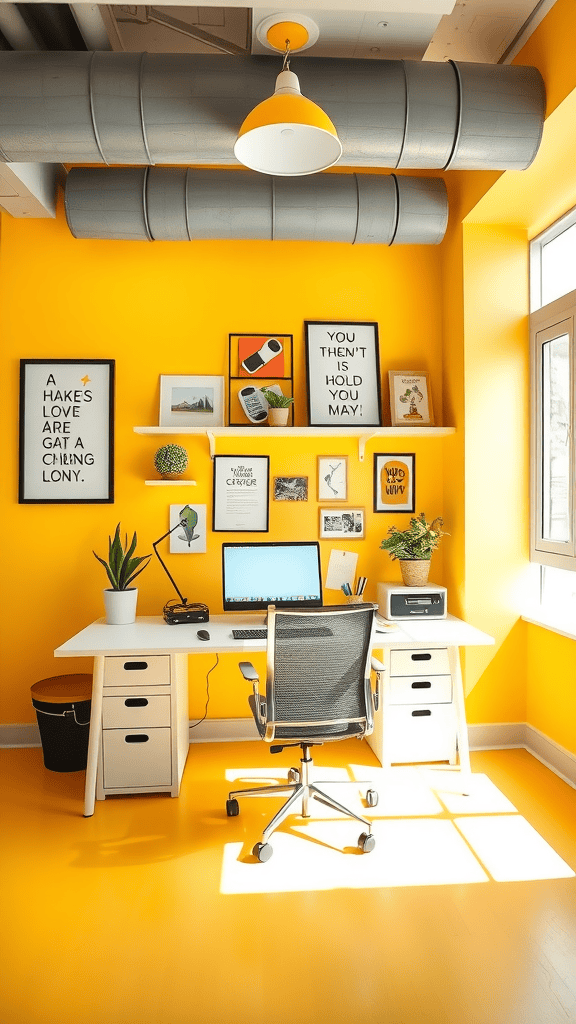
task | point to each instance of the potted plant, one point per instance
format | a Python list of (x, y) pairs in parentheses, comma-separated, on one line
[(279, 407), (122, 568), (413, 548), (171, 461)]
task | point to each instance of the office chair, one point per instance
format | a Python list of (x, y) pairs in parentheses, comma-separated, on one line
[(317, 691)]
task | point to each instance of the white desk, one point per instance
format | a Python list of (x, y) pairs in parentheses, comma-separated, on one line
[(151, 637)]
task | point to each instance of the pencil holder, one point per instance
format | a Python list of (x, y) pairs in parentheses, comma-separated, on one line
[(355, 599)]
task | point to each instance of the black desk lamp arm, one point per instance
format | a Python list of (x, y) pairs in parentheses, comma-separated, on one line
[(184, 600)]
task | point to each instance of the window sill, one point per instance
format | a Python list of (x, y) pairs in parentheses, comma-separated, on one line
[(553, 624)]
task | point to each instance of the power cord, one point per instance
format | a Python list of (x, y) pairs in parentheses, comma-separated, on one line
[(200, 720)]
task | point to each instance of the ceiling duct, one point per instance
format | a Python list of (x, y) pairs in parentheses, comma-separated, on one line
[(127, 108), (181, 204)]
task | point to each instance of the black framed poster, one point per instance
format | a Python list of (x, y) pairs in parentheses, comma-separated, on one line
[(343, 369), (241, 493), (66, 431)]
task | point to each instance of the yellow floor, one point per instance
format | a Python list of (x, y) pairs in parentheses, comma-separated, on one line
[(152, 912)]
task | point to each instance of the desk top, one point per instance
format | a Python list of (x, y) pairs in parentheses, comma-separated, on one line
[(151, 635)]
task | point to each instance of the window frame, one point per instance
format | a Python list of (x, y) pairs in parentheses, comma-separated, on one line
[(536, 246)]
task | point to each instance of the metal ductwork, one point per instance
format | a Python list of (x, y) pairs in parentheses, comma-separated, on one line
[(127, 108), (181, 204)]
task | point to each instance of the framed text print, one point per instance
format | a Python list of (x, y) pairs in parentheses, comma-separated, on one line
[(394, 482), (410, 398), (241, 498), (343, 370), (66, 431)]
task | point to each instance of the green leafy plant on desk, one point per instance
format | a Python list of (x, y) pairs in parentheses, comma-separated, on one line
[(414, 548), (122, 568)]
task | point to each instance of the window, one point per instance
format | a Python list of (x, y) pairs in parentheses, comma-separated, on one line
[(553, 414)]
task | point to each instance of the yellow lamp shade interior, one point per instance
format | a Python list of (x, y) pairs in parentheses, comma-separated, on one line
[(287, 32)]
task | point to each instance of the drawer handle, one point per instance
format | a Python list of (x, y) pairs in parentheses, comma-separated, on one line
[(426, 656), (135, 702), (136, 738), (421, 684), (421, 713), (135, 666)]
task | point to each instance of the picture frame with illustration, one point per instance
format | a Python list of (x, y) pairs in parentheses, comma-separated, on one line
[(290, 488), (342, 523), (332, 478), (191, 401), (394, 482), (191, 539), (257, 360), (410, 398)]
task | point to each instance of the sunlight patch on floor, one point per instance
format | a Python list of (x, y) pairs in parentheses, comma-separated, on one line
[(511, 850)]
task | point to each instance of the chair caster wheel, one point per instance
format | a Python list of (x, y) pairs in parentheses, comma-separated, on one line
[(263, 851), (371, 797), (293, 775), (232, 808), (366, 842)]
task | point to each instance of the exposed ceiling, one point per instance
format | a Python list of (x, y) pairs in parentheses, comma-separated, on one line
[(486, 31)]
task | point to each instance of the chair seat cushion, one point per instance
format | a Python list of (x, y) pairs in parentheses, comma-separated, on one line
[(308, 734)]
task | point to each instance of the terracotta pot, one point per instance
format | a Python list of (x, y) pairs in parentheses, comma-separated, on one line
[(278, 417), (415, 571)]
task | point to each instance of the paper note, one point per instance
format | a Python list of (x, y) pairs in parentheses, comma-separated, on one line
[(341, 569)]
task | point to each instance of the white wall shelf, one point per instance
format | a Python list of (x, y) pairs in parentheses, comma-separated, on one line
[(364, 434), (170, 483)]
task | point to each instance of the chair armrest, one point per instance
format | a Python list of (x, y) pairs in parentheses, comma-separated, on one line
[(248, 671), (379, 669), (377, 666)]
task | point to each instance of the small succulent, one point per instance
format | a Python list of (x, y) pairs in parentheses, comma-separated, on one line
[(276, 401), (171, 460), (122, 568)]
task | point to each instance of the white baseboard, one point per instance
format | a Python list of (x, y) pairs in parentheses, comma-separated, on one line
[(489, 736)]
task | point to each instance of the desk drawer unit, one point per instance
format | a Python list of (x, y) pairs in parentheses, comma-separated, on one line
[(137, 671), (418, 733), (143, 711), (420, 689), (434, 662), (136, 758)]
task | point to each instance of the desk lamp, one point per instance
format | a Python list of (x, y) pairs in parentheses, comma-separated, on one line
[(174, 613)]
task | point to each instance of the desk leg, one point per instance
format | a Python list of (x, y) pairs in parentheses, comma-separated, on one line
[(94, 738), (461, 724)]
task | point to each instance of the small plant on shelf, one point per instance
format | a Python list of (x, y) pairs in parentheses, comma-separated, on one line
[(276, 401), (415, 545), (171, 460)]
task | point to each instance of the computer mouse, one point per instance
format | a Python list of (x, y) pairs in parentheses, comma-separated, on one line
[(203, 634)]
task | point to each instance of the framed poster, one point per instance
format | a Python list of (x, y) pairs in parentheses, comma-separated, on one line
[(332, 478), (394, 482), (241, 498), (410, 398), (191, 538), (191, 401), (343, 370), (347, 523), (66, 431)]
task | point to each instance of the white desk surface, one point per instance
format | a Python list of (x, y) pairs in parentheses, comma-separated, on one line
[(151, 635)]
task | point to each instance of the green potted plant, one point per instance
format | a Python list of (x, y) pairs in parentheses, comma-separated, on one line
[(122, 568), (414, 547), (279, 407), (171, 460)]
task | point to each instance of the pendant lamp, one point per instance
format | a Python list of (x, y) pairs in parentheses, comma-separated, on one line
[(287, 134)]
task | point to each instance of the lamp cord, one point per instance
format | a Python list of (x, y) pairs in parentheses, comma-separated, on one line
[(200, 720), (286, 61)]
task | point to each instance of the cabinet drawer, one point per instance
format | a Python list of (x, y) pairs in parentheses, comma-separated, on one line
[(136, 711), (137, 671), (420, 733), (413, 662), (417, 689), (136, 758)]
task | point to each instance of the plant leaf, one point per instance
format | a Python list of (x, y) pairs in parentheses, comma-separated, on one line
[(108, 573), (135, 574)]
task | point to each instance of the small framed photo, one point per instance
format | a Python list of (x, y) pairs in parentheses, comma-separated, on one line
[(332, 478), (410, 398), (394, 482), (290, 488), (347, 523), (187, 401), (191, 537)]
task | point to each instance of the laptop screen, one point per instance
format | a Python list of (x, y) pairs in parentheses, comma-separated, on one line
[(285, 574)]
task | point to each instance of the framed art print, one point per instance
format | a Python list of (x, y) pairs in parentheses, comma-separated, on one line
[(191, 537), (394, 482), (346, 523), (256, 361), (66, 431), (410, 398), (290, 488), (241, 493), (191, 401), (332, 478), (343, 370)]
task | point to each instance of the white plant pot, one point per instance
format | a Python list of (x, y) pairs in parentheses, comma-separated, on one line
[(120, 606), (278, 417)]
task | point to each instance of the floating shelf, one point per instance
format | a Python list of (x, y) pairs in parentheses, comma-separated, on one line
[(170, 483), (364, 434)]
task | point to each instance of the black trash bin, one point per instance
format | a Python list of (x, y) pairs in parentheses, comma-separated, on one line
[(62, 706)]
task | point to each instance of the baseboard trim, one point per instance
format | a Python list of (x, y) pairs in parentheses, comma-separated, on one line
[(488, 736)]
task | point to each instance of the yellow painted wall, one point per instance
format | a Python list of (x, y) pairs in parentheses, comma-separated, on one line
[(168, 308)]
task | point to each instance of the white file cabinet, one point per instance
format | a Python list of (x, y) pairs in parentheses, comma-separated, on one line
[(144, 736), (421, 717)]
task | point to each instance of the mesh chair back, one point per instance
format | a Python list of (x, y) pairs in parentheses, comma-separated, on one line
[(318, 677)]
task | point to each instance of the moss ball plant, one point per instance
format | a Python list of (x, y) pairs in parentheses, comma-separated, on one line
[(171, 460)]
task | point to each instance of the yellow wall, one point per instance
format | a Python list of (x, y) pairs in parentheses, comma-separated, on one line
[(167, 308)]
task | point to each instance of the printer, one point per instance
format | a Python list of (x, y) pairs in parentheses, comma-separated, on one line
[(398, 602)]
